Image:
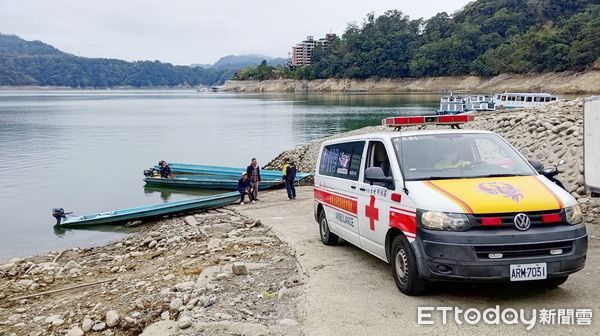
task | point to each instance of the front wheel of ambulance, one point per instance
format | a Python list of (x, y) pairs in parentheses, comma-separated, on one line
[(404, 268), (327, 237)]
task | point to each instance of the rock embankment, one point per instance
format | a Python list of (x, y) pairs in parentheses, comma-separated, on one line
[(547, 134), (562, 82), (213, 270)]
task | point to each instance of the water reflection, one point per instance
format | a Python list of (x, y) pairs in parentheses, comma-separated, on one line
[(120, 229), (166, 193)]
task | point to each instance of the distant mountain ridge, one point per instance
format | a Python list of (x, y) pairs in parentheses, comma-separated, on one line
[(12, 45), (35, 63), (236, 62)]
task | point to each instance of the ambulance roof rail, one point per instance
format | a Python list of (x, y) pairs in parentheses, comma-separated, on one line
[(454, 121)]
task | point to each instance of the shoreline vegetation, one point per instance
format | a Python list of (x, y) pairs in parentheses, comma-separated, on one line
[(221, 270), (484, 39), (567, 82)]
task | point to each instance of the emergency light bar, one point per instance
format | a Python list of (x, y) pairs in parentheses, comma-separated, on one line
[(452, 120)]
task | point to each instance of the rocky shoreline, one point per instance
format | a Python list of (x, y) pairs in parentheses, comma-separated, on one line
[(217, 269), (547, 134), (557, 82)]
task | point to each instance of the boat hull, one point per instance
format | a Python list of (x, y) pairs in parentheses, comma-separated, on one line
[(216, 183), (151, 211)]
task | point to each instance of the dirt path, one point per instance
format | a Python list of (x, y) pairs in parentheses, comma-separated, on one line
[(349, 292)]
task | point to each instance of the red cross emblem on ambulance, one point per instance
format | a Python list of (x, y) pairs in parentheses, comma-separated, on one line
[(372, 213)]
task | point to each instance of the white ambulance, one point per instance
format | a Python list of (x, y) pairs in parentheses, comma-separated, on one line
[(447, 204)]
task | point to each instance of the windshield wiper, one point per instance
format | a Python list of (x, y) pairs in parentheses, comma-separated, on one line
[(461, 177), (499, 175), (441, 178)]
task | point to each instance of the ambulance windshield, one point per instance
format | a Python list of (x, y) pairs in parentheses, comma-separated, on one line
[(462, 155)]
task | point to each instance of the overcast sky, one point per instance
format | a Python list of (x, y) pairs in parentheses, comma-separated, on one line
[(192, 31)]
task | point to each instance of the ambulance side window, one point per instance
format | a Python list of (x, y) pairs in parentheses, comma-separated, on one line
[(342, 160), (377, 157)]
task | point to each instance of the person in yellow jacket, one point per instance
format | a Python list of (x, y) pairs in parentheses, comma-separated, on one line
[(286, 163), (451, 160)]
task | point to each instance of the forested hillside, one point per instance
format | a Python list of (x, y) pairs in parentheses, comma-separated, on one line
[(25, 63), (486, 37)]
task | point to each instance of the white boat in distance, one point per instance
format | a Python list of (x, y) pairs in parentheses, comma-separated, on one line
[(460, 104), (509, 100)]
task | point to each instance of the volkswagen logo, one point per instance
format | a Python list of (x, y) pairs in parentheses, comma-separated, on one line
[(522, 222)]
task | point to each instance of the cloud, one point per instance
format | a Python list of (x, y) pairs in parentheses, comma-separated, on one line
[(186, 31)]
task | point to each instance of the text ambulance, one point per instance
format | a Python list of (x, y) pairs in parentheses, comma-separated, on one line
[(447, 205)]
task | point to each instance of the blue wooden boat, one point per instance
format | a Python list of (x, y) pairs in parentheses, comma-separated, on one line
[(206, 182), (265, 174), (146, 211)]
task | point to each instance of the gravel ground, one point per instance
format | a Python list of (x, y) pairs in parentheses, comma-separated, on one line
[(216, 268)]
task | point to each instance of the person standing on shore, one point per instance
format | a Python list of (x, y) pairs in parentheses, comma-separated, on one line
[(253, 171), (245, 188), (289, 177)]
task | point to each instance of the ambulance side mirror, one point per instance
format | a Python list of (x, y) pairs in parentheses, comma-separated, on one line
[(376, 175)]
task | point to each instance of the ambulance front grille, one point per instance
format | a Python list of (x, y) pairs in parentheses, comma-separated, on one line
[(508, 219), (524, 250)]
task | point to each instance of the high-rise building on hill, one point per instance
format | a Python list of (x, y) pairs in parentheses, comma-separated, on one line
[(303, 51)]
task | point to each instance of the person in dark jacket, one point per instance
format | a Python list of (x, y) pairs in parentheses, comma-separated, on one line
[(165, 170), (289, 177), (253, 171), (245, 188)]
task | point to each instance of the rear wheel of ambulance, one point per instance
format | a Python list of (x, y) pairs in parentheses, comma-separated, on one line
[(327, 237), (404, 268)]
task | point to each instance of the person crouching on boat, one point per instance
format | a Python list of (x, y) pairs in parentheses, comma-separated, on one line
[(253, 171), (165, 170), (245, 188)]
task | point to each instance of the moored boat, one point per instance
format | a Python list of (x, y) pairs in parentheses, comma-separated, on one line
[(461, 104), (186, 168), (480, 103), (452, 105), (510, 100), (145, 212)]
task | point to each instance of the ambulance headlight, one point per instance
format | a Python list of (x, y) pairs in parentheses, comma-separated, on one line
[(434, 220), (573, 214)]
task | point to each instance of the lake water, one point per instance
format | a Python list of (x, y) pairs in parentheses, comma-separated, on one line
[(85, 150)]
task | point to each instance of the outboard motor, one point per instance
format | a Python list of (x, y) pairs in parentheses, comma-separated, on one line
[(149, 172), (59, 214)]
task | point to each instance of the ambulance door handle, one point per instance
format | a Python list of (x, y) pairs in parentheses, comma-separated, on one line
[(362, 189), (353, 186)]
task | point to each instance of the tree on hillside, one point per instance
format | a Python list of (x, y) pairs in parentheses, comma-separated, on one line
[(486, 37)]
